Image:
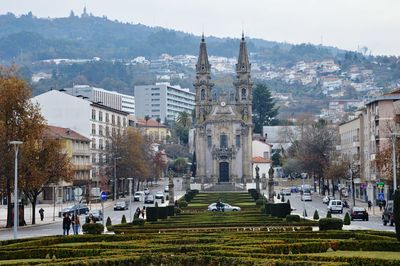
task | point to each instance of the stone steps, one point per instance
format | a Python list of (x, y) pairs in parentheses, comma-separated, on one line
[(225, 187)]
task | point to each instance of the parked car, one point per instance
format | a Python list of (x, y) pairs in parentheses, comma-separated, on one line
[(335, 206), (388, 215), (146, 191), (77, 208), (285, 192), (120, 206), (327, 199), (149, 199), (294, 189), (139, 196), (358, 213), (160, 195), (306, 197), (224, 206), (96, 214), (166, 189)]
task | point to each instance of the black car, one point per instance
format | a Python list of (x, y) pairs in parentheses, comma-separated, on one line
[(96, 215), (149, 199), (358, 213), (120, 206), (78, 209), (388, 215)]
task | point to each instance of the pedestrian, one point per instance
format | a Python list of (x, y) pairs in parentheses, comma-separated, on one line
[(41, 212), (76, 223), (66, 224), (380, 205), (90, 219), (369, 205), (137, 213), (384, 203), (143, 211)]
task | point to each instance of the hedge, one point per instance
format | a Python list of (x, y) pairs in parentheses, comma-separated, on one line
[(95, 228), (162, 213), (293, 218), (280, 210), (152, 214), (330, 224)]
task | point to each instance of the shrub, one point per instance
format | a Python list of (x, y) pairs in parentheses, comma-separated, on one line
[(283, 198), (170, 210), (329, 214), (254, 193), (280, 210), (183, 204), (279, 196), (94, 229), (260, 202), (346, 220), (396, 212), (162, 213), (167, 197), (123, 219), (152, 214), (108, 222), (292, 218), (178, 210), (139, 222), (330, 224), (305, 213), (316, 215)]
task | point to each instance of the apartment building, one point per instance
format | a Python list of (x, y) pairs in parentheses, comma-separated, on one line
[(77, 148), (163, 101), (111, 99), (156, 132), (92, 120)]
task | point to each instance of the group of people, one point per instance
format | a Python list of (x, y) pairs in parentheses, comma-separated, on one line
[(68, 222), (140, 212)]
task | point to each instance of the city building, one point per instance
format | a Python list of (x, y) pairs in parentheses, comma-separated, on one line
[(261, 153), (157, 132), (163, 101), (223, 126), (95, 121), (77, 148), (111, 99), (281, 137)]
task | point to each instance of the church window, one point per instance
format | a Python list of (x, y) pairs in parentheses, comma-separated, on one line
[(209, 141), (223, 141), (244, 94), (203, 95), (202, 67), (237, 141)]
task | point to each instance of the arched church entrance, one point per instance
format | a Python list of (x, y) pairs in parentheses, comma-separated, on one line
[(223, 172)]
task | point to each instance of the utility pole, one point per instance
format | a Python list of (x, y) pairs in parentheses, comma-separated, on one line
[(115, 177), (130, 198), (16, 203)]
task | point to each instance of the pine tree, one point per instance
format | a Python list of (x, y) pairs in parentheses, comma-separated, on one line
[(346, 220), (264, 110), (329, 214), (123, 220), (316, 215), (108, 222)]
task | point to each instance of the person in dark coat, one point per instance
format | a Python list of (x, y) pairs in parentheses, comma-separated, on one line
[(66, 224), (41, 212)]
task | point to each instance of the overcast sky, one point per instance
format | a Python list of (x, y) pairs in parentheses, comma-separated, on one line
[(345, 24)]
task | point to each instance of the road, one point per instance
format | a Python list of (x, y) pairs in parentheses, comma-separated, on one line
[(55, 228)]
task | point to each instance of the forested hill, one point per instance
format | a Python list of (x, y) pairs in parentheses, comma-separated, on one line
[(27, 38)]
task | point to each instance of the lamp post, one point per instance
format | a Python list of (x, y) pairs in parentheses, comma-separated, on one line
[(15, 143), (130, 198), (115, 177)]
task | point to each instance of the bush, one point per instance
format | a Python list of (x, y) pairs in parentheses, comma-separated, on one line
[(316, 215), (330, 224), (170, 210), (260, 202), (283, 198), (152, 214), (162, 213), (108, 222), (254, 194), (139, 222), (94, 229), (183, 204), (346, 220), (279, 196), (280, 210), (123, 219), (178, 210), (293, 218), (329, 214)]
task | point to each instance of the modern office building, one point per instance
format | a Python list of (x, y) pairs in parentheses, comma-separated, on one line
[(163, 101), (111, 99)]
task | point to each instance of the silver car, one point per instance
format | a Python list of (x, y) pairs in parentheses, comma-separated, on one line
[(224, 207)]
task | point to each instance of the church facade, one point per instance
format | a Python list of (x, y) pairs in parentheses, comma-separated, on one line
[(223, 133)]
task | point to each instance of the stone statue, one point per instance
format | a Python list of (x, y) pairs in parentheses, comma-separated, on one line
[(258, 178), (264, 181), (271, 184), (171, 188)]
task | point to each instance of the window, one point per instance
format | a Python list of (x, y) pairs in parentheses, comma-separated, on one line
[(100, 158), (93, 143), (107, 131), (93, 129), (93, 157), (223, 141), (237, 141), (93, 114), (266, 155), (107, 145), (209, 141), (107, 118), (101, 130), (113, 119), (244, 94), (119, 121), (100, 116), (100, 144), (203, 95), (124, 122)]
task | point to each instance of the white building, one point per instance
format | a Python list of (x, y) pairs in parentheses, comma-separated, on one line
[(163, 100), (111, 99), (261, 156), (281, 137), (93, 120)]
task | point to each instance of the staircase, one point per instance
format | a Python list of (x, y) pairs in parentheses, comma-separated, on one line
[(225, 187)]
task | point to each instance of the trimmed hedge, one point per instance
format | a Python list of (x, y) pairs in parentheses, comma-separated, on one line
[(152, 214), (183, 204), (346, 220), (171, 210), (293, 218), (280, 210), (316, 215), (139, 222), (95, 228), (330, 224), (162, 213)]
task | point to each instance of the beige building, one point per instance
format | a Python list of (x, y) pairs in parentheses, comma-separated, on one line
[(157, 132), (223, 136)]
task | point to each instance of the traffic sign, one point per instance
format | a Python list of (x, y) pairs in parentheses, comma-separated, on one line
[(103, 196), (380, 184), (381, 196), (78, 191)]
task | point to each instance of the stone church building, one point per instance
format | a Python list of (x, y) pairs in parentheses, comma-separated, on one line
[(223, 133)]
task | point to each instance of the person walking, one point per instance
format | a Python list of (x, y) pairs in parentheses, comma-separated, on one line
[(143, 211), (369, 205), (76, 223), (66, 224), (41, 212)]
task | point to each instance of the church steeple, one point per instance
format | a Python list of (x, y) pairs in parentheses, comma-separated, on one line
[(243, 65), (203, 66)]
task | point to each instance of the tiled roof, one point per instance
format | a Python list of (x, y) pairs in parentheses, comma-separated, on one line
[(63, 133), (259, 159), (150, 123)]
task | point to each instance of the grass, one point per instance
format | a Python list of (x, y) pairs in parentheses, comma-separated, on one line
[(363, 254)]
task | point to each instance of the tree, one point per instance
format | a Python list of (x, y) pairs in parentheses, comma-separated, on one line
[(180, 165), (158, 127), (264, 110), (335, 171), (159, 165), (43, 162), (276, 158), (19, 120), (182, 126)]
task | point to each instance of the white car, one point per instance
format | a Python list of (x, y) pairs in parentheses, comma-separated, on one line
[(139, 196), (306, 197), (166, 189), (146, 191), (335, 206), (159, 195), (327, 199), (225, 207)]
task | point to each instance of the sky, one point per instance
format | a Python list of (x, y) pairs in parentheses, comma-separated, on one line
[(346, 24)]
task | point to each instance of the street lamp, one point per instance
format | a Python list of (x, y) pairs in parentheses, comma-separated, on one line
[(130, 198), (115, 177), (15, 143)]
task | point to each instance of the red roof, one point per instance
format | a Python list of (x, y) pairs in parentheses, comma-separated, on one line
[(259, 159), (150, 123), (63, 133)]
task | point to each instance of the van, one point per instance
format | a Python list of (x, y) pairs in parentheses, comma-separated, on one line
[(335, 206)]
